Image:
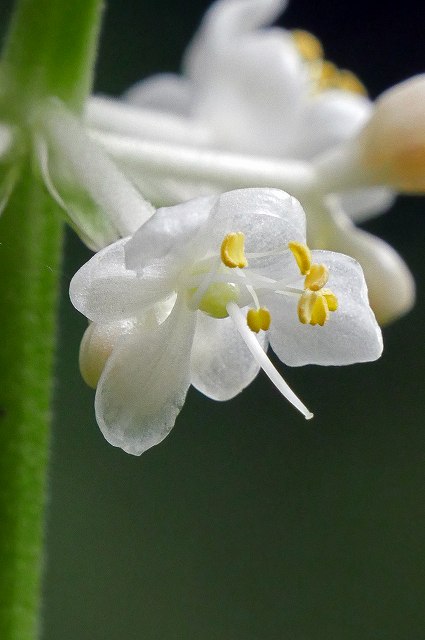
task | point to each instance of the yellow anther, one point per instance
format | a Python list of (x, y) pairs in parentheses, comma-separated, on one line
[(317, 277), (258, 319), (309, 47), (302, 255), (331, 299), (320, 311), (328, 75), (233, 250), (348, 81), (305, 306), (313, 307)]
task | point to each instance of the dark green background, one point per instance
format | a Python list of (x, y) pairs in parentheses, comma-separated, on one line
[(248, 522)]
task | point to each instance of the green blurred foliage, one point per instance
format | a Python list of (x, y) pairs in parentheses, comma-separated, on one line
[(248, 522)]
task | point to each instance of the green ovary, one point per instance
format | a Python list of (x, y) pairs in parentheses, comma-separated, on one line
[(217, 297)]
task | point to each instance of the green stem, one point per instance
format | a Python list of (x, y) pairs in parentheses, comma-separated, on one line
[(31, 237), (49, 50)]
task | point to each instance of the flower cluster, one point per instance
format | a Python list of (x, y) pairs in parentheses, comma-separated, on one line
[(195, 296), (259, 106)]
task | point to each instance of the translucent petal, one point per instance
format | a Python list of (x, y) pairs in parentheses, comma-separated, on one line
[(351, 333), (105, 291), (144, 384), (221, 363), (168, 233), (166, 92), (100, 202), (269, 219)]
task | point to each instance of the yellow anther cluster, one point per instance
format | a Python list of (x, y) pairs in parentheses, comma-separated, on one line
[(315, 302), (330, 77), (325, 74), (233, 250), (258, 319)]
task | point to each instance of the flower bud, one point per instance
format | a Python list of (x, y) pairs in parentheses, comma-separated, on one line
[(392, 143)]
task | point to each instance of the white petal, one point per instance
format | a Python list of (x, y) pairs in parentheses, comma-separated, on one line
[(252, 100), (222, 365), (391, 285), (105, 291), (269, 219), (144, 384), (249, 82), (166, 92), (168, 233), (350, 335), (364, 204), (328, 119), (101, 203)]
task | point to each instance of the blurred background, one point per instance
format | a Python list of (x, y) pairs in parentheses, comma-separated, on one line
[(248, 522)]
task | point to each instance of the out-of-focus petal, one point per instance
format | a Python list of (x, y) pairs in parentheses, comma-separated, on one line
[(166, 92), (351, 333), (364, 204), (328, 119), (390, 283), (144, 384), (221, 363)]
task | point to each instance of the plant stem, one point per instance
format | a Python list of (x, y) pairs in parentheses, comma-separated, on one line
[(49, 51), (31, 237)]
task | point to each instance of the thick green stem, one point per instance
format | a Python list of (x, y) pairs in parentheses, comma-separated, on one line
[(31, 239), (49, 51), (51, 46)]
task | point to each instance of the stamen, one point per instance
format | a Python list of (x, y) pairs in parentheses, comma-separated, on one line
[(233, 250), (262, 359), (320, 312), (258, 319), (317, 277), (331, 299), (309, 47), (302, 255)]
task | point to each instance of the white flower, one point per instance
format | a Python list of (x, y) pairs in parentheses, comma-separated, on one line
[(99, 202), (258, 106), (194, 297)]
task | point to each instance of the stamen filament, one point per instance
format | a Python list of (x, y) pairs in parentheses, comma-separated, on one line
[(257, 352)]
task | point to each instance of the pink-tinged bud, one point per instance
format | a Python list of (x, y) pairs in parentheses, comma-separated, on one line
[(392, 143)]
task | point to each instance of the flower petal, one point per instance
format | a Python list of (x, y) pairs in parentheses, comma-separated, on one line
[(104, 290), (249, 82), (269, 219), (364, 204), (101, 203), (391, 285), (350, 335), (144, 384), (168, 233), (221, 363), (166, 92), (329, 118)]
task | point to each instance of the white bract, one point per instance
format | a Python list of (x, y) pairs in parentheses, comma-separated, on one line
[(258, 106), (196, 295), (98, 201)]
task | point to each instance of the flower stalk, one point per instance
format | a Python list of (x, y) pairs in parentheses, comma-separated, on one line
[(49, 51)]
